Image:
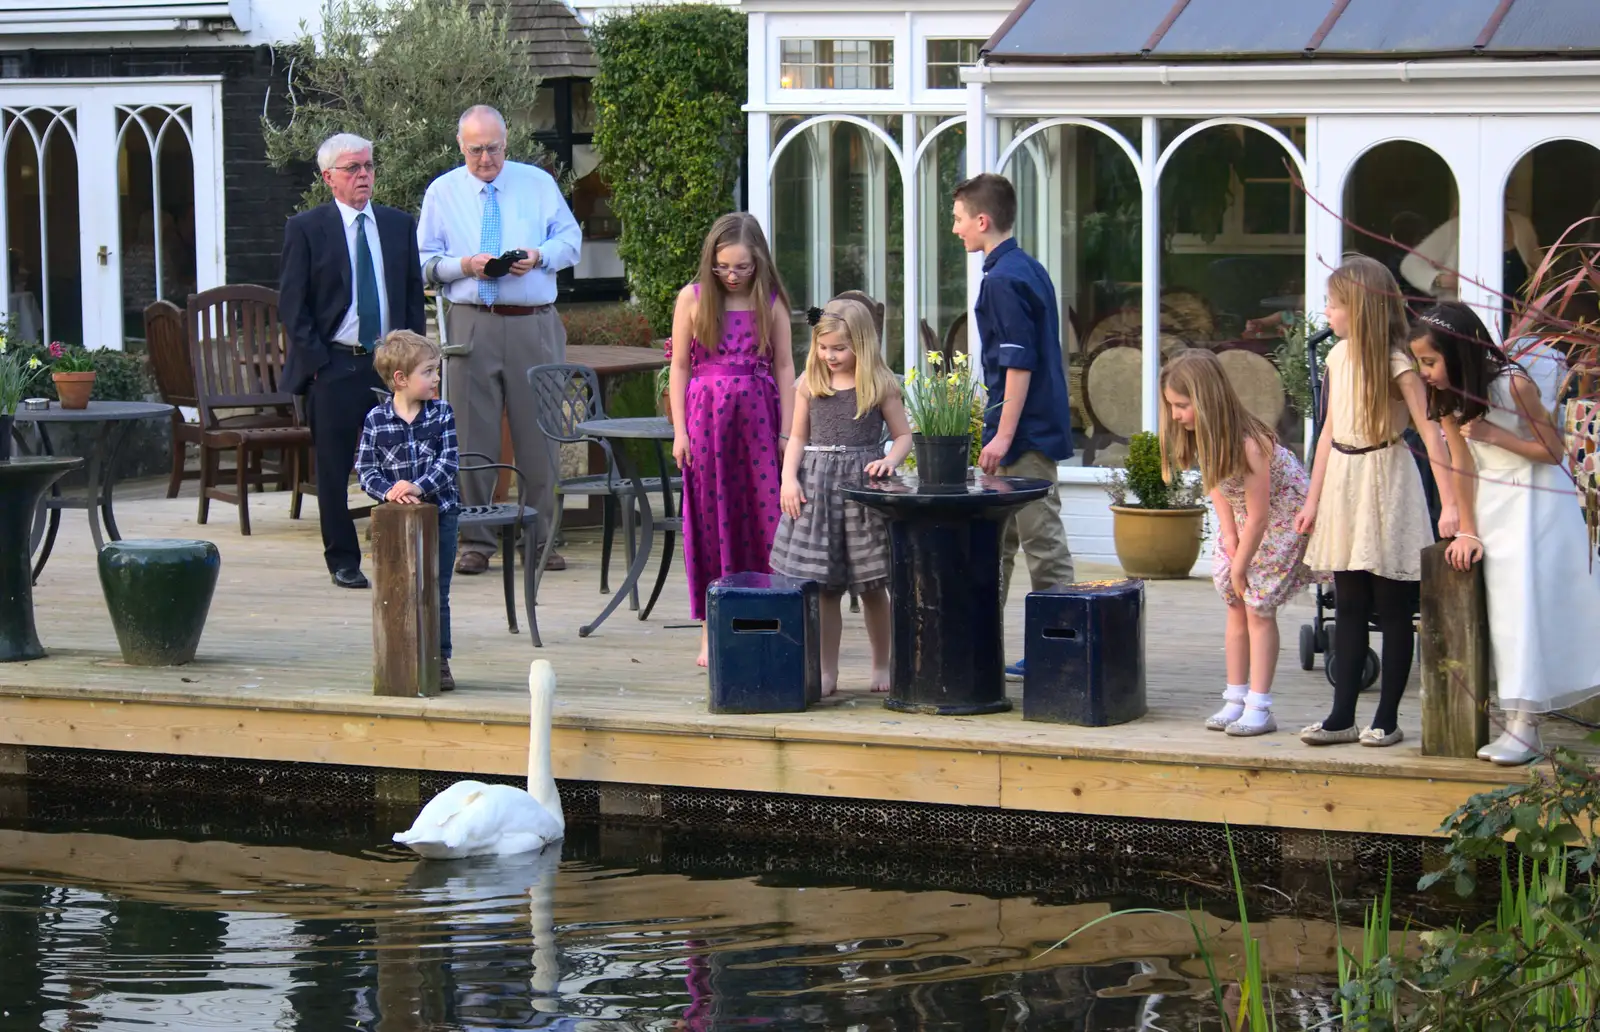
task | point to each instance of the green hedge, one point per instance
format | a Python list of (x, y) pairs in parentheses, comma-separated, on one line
[(671, 135)]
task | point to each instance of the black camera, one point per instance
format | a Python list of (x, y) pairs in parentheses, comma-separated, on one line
[(494, 268)]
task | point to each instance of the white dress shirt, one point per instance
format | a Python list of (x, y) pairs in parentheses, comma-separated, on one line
[(533, 216), (350, 326), (1438, 252)]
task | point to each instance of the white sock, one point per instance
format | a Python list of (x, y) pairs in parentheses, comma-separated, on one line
[(1232, 703), (1258, 710)]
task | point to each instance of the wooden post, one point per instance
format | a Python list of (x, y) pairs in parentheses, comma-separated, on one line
[(1455, 657), (405, 600)]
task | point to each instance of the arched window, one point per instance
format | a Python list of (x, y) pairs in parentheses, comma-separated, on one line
[(1078, 212), (1405, 192), (1554, 186)]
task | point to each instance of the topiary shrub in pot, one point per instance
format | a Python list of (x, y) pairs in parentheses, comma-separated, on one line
[(1157, 526)]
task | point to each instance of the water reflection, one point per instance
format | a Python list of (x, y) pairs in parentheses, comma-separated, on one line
[(111, 931)]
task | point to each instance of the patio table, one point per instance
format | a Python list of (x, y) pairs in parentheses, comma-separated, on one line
[(23, 482), (947, 656), (115, 419), (657, 429)]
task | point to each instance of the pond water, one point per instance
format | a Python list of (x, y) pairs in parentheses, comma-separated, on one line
[(150, 919)]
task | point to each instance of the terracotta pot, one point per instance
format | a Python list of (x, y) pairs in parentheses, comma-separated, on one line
[(73, 389), (1157, 544)]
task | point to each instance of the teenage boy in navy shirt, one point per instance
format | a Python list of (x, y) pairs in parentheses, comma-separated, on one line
[(1027, 428)]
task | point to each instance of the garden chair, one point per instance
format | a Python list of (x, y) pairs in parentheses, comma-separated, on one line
[(509, 517), (236, 349), (568, 394)]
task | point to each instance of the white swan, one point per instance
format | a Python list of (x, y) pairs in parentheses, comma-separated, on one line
[(471, 818)]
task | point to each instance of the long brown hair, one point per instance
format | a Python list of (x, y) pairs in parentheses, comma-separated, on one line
[(1221, 422), (1367, 290), (766, 290)]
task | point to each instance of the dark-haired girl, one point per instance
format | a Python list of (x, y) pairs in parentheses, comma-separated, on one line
[(1519, 516)]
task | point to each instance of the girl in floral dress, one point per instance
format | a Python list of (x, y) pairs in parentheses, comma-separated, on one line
[(1257, 487), (732, 393)]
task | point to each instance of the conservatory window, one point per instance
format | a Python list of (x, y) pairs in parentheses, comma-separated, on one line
[(1263, 211), (837, 64), (946, 58)]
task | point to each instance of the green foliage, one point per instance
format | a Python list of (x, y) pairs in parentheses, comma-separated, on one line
[(670, 131), (1141, 477), (1290, 357), (21, 368), (400, 72), (617, 325), (64, 359), (943, 403), (119, 375)]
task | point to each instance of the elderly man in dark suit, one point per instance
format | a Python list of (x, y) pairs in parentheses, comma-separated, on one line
[(349, 274)]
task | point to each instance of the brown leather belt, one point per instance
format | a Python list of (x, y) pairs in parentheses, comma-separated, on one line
[(1350, 449), (515, 309)]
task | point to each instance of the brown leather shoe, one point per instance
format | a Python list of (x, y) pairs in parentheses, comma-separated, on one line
[(555, 562), (472, 563), (447, 682)]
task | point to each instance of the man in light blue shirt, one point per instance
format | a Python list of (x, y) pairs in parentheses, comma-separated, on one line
[(500, 322)]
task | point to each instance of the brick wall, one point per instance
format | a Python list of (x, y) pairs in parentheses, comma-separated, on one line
[(258, 198)]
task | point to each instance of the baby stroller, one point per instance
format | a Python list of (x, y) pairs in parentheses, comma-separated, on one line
[(1317, 636)]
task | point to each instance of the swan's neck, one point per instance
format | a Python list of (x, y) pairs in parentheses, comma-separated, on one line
[(541, 783)]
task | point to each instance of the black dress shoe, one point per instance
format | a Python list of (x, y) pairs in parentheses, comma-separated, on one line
[(352, 578)]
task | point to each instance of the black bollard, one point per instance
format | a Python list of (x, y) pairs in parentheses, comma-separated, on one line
[(159, 593)]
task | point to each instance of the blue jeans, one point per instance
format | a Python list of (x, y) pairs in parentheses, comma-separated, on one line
[(448, 533)]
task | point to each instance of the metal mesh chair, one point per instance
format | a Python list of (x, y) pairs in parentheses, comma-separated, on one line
[(566, 395), (509, 516)]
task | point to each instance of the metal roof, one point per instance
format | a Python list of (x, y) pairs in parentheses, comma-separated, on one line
[(1254, 30)]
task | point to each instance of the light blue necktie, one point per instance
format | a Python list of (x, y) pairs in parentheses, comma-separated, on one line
[(489, 242)]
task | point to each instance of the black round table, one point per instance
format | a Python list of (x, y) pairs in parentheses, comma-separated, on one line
[(947, 655), (659, 430), (115, 419), (23, 483)]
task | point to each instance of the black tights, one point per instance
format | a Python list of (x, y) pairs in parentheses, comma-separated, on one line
[(1357, 594)]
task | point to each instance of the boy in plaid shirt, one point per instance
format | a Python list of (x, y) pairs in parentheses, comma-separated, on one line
[(408, 454)]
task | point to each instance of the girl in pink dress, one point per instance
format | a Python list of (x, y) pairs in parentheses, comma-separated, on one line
[(732, 394), (1257, 487)]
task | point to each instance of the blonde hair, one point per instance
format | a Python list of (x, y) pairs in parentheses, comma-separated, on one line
[(766, 289), (858, 323), (1368, 291), (1222, 424), (402, 352)]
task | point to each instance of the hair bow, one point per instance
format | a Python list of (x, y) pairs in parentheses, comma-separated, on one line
[(813, 315)]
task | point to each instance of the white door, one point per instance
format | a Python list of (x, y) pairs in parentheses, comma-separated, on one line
[(110, 198)]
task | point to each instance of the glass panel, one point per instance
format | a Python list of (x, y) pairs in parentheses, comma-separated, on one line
[(946, 58), (583, 113), (836, 64), (941, 260), (838, 225), (1242, 26), (156, 212), (45, 291), (591, 206), (544, 109), (1554, 186), (1233, 262), (1404, 193), (1078, 202), (1367, 26)]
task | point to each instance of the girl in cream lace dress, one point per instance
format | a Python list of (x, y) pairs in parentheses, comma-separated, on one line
[(1365, 511)]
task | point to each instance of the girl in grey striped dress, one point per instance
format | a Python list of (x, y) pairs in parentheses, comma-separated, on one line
[(842, 404)]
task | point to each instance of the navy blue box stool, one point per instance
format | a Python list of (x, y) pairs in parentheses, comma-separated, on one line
[(1084, 654), (765, 638)]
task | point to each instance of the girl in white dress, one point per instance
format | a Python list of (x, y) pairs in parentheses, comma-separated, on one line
[(1519, 515)]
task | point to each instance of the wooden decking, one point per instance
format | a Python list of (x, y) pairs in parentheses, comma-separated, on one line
[(284, 673)]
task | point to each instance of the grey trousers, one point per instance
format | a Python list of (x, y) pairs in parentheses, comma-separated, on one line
[(486, 373), (1037, 528)]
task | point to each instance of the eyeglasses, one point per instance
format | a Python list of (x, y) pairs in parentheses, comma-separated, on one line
[(743, 269), (482, 150), (356, 168)]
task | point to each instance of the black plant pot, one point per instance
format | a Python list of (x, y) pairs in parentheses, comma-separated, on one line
[(942, 460), (6, 423), (159, 593)]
